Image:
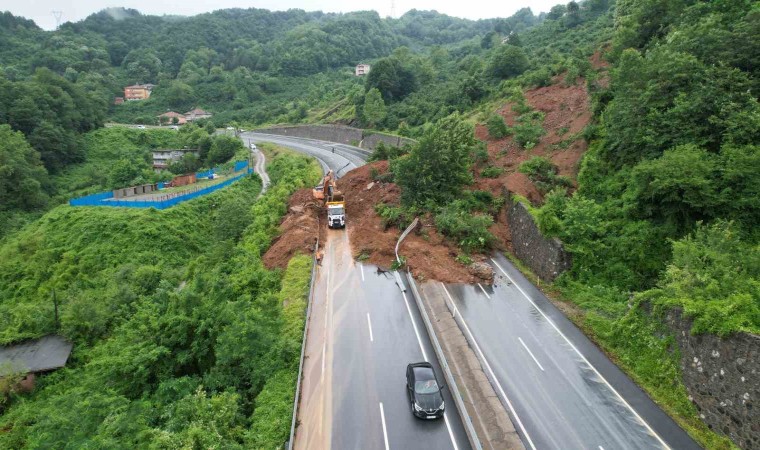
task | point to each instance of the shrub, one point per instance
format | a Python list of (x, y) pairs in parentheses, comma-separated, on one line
[(395, 215), (491, 172), (497, 128), (469, 230), (543, 174)]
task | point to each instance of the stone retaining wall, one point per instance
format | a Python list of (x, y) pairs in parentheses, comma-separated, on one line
[(722, 376), (339, 133), (546, 257)]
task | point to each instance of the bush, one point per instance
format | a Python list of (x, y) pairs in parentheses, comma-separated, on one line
[(528, 131), (469, 230), (543, 174), (395, 215), (497, 128), (491, 172)]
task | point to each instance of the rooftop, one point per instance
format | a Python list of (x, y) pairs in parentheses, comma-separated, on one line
[(47, 353)]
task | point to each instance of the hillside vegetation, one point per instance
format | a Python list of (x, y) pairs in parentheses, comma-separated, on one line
[(181, 335)]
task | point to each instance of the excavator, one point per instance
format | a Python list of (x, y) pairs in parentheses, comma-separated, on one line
[(327, 195)]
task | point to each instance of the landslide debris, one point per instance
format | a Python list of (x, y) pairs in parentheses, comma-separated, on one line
[(298, 231)]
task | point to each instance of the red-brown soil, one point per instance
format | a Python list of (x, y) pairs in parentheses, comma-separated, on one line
[(298, 231), (429, 255)]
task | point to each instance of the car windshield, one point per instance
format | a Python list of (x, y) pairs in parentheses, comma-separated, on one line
[(336, 211), (426, 387)]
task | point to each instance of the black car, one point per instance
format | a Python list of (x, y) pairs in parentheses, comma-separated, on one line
[(424, 391)]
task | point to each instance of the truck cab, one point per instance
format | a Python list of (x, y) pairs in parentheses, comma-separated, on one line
[(336, 214)]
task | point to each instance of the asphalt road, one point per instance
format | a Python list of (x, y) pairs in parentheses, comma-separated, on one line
[(565, 392), (363, 331)]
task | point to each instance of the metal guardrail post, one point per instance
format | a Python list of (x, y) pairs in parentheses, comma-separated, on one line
[(469, 428)]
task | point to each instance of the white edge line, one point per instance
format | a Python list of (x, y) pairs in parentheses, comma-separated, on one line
[(414, 325), (385, 432), (484, 291), (551, 322), (324, 350), (369, 324), (493, 376), (451, 434), (531, 354), (361, 267)]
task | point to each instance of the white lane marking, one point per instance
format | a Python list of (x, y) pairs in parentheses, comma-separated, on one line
[(493, 376), (424, 355), (324, 350), (369, 324), (385, 432), (601, 448), (551, 322), (451, 433), (414, 325), (361, 267), (484, 291), (531, 354)]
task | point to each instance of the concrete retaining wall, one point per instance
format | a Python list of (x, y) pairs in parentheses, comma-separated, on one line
[(546, 257), (339, 133), (722, 376)]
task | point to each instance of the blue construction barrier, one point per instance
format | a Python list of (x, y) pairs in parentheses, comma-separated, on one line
[(106, 198)]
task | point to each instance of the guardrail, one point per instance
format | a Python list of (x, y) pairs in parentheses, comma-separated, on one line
[(297, 399), (469, 428)]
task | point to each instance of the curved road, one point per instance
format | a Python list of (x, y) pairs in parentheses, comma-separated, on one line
[(561, 391), (363, 331)]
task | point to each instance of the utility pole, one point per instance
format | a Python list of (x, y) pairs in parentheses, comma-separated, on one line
[(57, 15)]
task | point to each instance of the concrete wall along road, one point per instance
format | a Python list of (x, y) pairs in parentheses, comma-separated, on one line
[(339, 133), (546, 257)]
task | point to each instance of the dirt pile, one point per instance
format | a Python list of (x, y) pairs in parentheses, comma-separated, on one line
[(428, 254), (298, 230)]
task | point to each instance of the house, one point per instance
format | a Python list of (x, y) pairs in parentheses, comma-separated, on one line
[(138, 92), (168, 118), (163, 158), (118, 100), (197, 114), (33, 357), (362, 69)]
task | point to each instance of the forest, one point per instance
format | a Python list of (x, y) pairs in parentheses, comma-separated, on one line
[(663, 211), (181, 337)]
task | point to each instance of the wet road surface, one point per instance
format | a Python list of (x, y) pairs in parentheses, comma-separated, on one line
[(565, 392)]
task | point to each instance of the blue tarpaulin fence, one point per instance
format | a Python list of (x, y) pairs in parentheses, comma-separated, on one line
[(163, 202)]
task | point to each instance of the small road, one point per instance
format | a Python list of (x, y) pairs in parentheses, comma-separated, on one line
[(260, 167), (565, 391), (363, 331)]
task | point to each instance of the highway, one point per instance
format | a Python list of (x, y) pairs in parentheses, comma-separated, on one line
[(565, 392), (363, 331), (560, 390)]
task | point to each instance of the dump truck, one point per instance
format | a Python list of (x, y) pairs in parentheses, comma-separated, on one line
[(328, 196)]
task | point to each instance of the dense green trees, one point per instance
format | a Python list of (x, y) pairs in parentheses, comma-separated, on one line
[(437, 169), (50, 111), (22, 175), (374, 107), (508, 61), (181, 335)]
